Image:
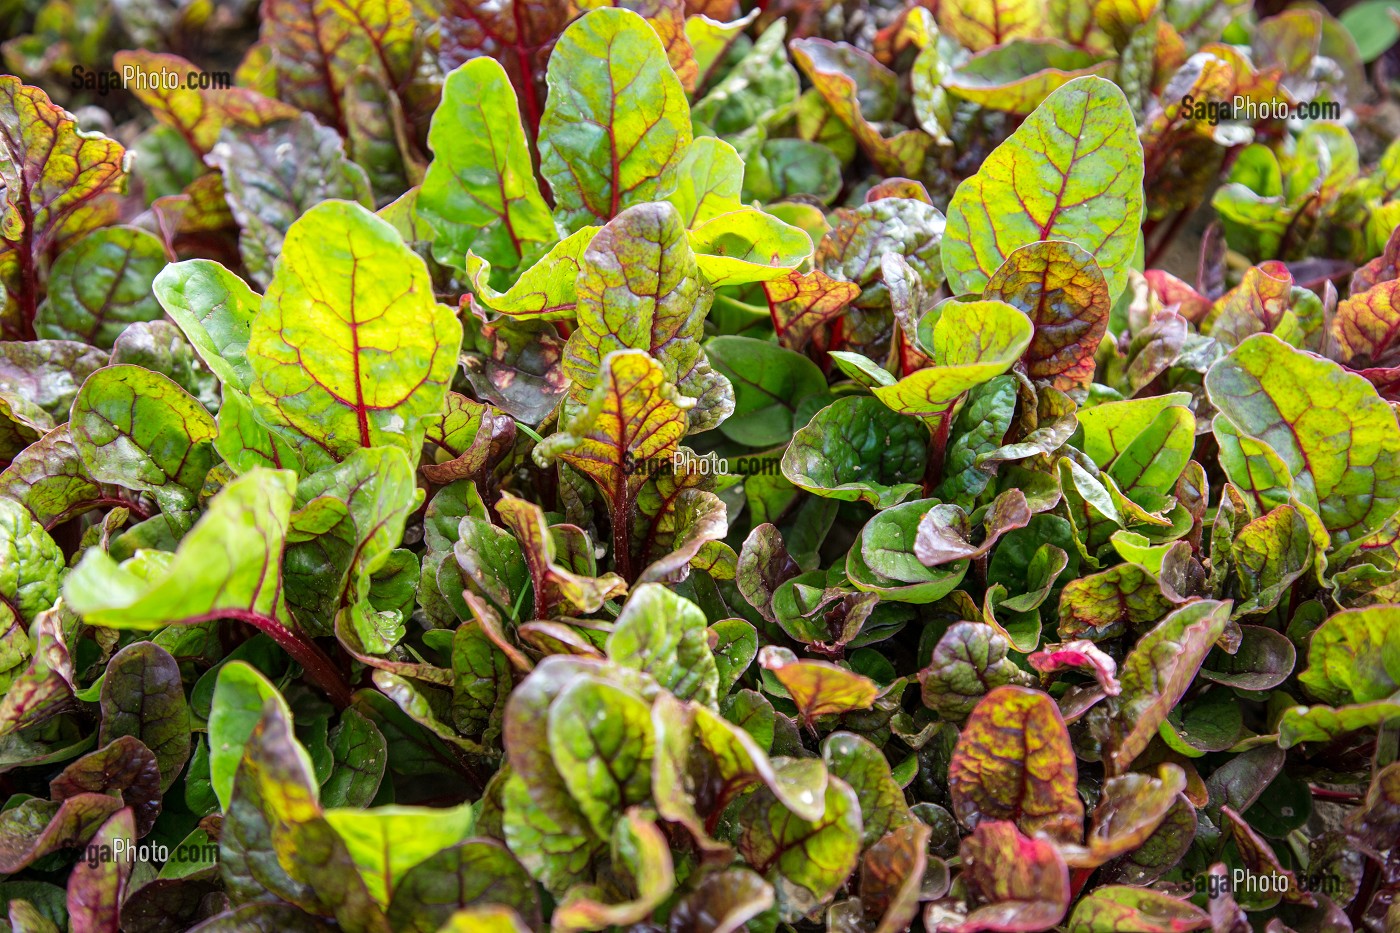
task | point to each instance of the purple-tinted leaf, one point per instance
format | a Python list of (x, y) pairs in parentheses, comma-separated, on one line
[(143, 696), (1158, 672), (1014, 883), (96, 891), (124, 768), (37, 827), (1078, 655), (1014, 762)]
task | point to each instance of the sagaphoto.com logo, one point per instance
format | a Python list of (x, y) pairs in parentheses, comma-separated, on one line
[(132, 78), (1248, 110), (126, 850)]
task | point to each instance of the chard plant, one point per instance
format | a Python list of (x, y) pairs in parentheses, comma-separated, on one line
[(699, 467)]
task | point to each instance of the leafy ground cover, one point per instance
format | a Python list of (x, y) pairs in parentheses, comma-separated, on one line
[(502, 466)]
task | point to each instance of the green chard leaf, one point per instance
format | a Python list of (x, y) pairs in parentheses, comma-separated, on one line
[(1159, 670), (632, 424), (351, 348), (215, 309), (665, 636), (142, 696), (609, 144), (640, 288), (33, 567), (805, 860), (971, 343), (101, 284), (1046, 183), (857, 449), (228, 564), (1295, 405), (480, 192), (138, 429)]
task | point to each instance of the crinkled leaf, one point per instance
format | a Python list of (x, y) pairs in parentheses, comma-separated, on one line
[(978, 429), (819, 688), (1061, 288), (1081, 655), (275, 839), (368, 498), (138, 429), (1149, 466), (1130, 810), (722, 901), (708, 181), (467, 437), (274, 174), (101, 284), (863, 767), (1325, 723), (641, 289), (57, 184), (34, 827), (802, 303), (1143, 910), (1014, 883), (602, 742), (475, 872), (38, 382), (125, 768), (746, 246), (32, 566), (143, 696), (641, 854), (1354, 657), (360, 756), (545, 291), (804, 860), (633, 423), (968, 661), (1013, 762), (944, 529), (858, 89), (96, 890), (983, 23), (312, 50), (1270, 553), (664, 635), (857, 449)]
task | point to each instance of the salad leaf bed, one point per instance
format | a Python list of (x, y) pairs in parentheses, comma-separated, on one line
[(698, 466)]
